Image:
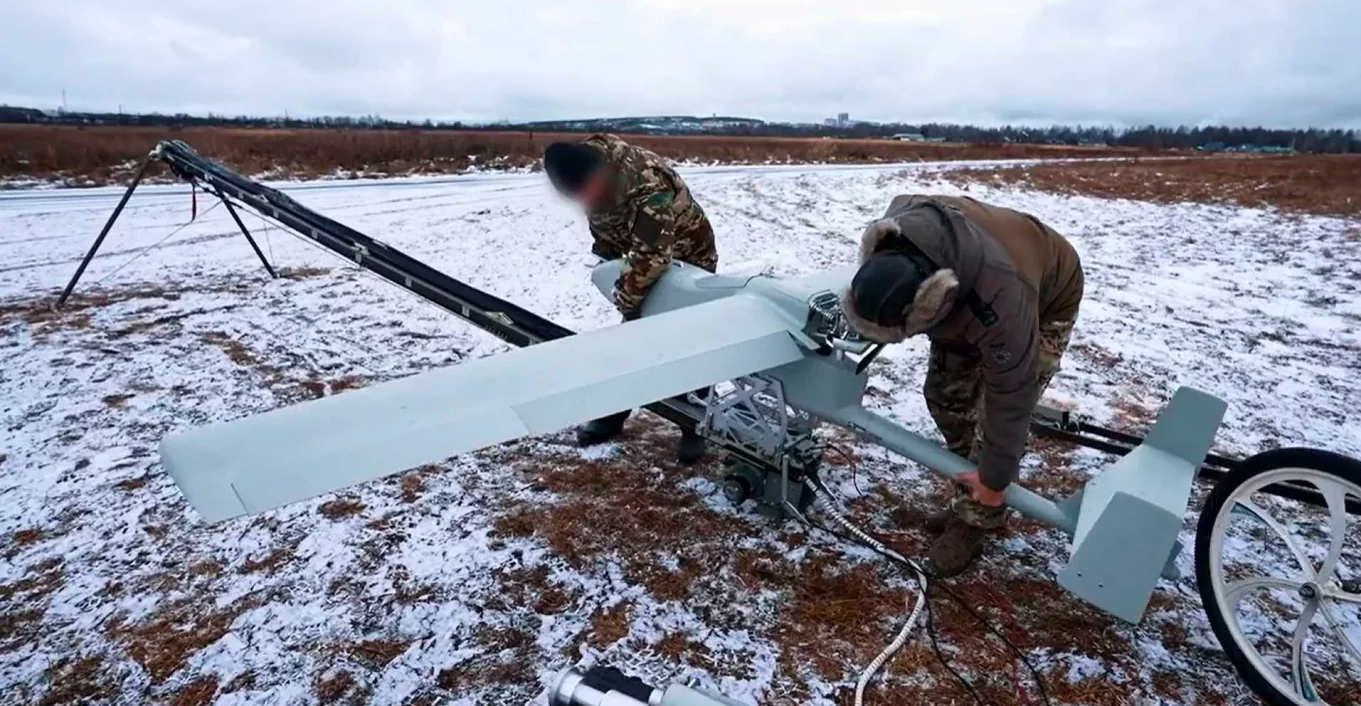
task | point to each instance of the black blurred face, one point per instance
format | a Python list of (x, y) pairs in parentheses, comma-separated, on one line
[(595, 192), (576, 171)]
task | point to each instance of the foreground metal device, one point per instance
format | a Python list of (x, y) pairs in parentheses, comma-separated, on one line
[(606, 686)]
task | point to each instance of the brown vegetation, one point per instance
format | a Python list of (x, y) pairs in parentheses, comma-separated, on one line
[(335, 687), (378, 653), (26, 537), (199, 692), (341, 508), (23, 602), (165, 642), (79, 680), (98, 155), (1327, 185)]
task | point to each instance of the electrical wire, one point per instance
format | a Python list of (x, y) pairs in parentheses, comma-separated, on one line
[(890, 651), (829, 506), (926, 583), (933, 634), (850, 460), (987, 625), (925, 586)]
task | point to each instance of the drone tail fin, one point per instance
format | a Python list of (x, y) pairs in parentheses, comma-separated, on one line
[(1132, 512)]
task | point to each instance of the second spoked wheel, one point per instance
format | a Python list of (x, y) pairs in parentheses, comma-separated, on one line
[(1280, 577)]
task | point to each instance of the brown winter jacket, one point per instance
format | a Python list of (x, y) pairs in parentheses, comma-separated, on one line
[(1002, 273)]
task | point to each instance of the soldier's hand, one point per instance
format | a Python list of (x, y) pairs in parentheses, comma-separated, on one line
[(982, 493)]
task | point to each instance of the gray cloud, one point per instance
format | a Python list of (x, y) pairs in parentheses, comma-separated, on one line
[(1274, 62)]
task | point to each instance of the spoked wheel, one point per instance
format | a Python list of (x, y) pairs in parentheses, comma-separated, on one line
[(1281, 578)]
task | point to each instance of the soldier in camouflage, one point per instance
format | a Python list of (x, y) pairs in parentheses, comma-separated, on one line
[(997, 292), (638, 209)]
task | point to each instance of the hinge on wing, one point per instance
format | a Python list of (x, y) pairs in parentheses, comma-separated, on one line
[(500, 318)]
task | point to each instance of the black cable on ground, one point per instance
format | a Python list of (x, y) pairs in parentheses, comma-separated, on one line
[(1034, 673), (930, 619), (933, 636), (927, 582)]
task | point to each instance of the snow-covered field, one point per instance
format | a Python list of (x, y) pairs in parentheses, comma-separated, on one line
[(475, 580)]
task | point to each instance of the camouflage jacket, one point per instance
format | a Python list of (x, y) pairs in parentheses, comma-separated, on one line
[(648, 219)]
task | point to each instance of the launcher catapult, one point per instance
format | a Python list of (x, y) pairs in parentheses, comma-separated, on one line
[(780, 358)]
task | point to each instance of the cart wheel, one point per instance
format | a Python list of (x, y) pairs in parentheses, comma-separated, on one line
[(1281, 578), (736, 489)]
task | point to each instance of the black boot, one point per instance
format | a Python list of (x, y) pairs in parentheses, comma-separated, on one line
[(936, 522), (691, 447), (599, 431), (956, 548)]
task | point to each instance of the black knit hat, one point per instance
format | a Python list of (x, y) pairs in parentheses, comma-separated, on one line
[(886, 285), (570, 164)]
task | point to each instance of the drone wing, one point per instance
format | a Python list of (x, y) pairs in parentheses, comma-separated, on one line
[(289, 454)]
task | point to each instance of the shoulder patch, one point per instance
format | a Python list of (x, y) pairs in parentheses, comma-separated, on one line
[(661, 198), (647, 228)]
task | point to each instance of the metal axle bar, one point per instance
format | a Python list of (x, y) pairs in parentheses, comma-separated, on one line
[(936, 457), (1062, 425)]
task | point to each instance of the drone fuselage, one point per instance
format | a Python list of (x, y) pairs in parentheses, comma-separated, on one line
[(1124, 524)]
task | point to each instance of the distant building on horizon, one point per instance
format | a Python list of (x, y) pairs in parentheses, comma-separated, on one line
[(843, 119)]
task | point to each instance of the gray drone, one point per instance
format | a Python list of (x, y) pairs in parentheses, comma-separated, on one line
[(788, 359), (778, 358)]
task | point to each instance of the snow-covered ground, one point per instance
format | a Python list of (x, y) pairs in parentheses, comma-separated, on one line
[(475, 580)]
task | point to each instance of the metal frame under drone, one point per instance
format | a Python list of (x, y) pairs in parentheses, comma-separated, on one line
[(1124, 524)]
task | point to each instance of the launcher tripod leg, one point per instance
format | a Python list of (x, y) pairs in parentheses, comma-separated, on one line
[(108, 225), (244, 231)]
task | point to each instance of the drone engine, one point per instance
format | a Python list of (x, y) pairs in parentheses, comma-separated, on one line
[(750, 414)]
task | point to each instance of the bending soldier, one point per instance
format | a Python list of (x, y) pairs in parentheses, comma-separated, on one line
[(638, 209), (997, 292)]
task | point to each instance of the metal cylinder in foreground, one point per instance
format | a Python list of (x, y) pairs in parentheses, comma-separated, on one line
[(607, 686), (600, 686)]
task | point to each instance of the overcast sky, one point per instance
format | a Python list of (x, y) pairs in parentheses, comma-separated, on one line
[(1274, 62)]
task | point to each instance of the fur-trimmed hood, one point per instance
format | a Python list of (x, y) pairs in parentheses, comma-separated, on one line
[(933, 301)]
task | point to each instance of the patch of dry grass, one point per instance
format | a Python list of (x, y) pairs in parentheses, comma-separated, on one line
[(100, 155), (1328, 185), (165, 642)]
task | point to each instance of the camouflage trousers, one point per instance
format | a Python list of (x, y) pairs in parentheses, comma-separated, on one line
[(954, 395)]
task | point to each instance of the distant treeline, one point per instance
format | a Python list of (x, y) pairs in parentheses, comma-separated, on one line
[(1150, 136), (1155, 137)]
